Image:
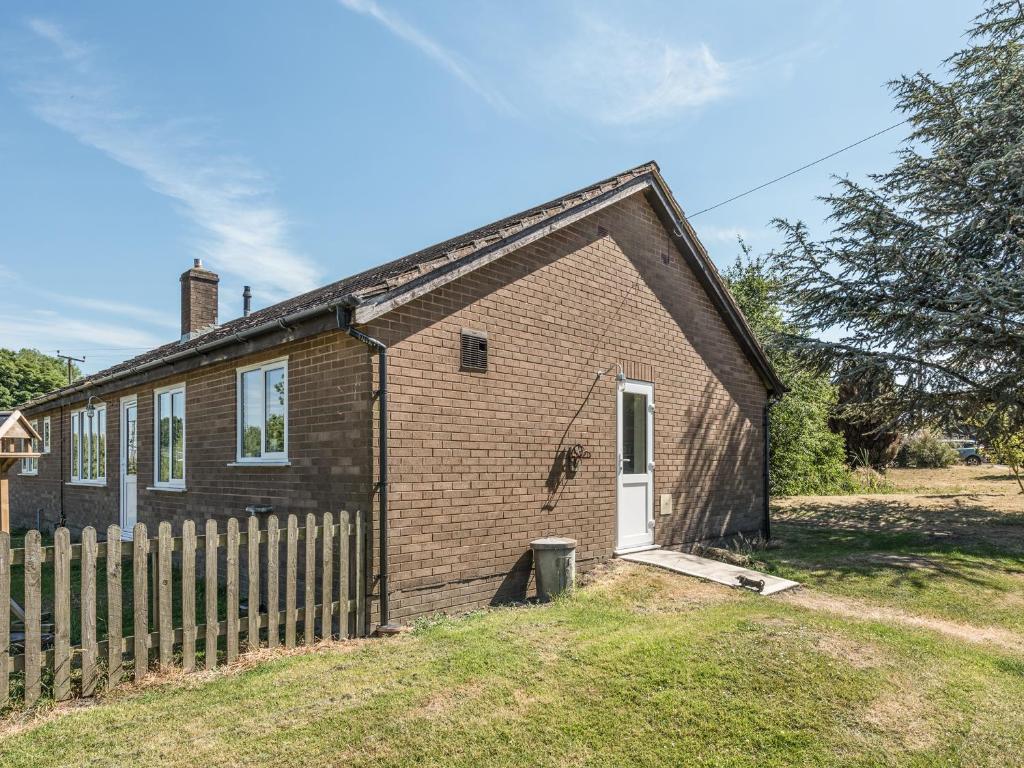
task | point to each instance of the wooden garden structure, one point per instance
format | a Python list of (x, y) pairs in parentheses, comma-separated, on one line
[(16, 443)]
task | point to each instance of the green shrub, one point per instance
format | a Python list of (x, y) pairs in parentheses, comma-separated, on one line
[(926, 450), (807, 457)]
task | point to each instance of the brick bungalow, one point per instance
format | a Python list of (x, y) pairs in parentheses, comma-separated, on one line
[(520, 363)]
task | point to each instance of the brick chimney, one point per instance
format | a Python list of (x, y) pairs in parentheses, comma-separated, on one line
[(198, 300)]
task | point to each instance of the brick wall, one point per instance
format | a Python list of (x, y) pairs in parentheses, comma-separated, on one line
[(198, 299), (329, 449), (475, 456)]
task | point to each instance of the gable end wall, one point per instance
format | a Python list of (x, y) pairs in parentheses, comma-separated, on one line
[(476, 457)]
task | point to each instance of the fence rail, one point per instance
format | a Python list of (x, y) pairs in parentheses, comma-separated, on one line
[(168, 621)]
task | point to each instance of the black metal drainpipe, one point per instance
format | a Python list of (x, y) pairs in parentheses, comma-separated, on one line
[(766, 430), (344, 317)]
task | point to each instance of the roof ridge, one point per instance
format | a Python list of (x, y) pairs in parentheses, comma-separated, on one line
[(371, 281)]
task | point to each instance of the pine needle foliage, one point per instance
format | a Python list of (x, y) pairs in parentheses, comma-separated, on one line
[(923, 271)]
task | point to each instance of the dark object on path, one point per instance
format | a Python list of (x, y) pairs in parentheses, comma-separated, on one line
[(757, 585)]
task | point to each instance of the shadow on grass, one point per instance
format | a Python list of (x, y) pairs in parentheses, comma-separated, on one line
[(901, 543)]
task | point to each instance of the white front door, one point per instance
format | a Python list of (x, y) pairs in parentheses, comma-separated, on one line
[(636, 465), (129, 465)]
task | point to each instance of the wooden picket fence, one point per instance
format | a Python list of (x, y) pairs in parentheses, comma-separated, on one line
[(337, 609)]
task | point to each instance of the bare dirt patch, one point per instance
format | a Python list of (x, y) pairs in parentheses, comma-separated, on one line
[(653, 590), (858, 655), (903, 715), (859, 609), (987, 479)]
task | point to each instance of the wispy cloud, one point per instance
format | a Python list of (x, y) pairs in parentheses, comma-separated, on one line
[(243, 232), (612, 75), (430, 47), (123, 309), (48, 330)]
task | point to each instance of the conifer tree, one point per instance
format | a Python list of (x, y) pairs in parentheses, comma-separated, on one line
[(923, 273)]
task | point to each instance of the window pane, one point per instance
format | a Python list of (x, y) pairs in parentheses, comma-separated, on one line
[(634, 433), (252, 413), (46, 434), (101, 442), (86, 447), (74, 446), (178, 436), (131, 438), (275, 412), (163, 406)]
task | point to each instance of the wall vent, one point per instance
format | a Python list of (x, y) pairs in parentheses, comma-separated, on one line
[(473, 355)]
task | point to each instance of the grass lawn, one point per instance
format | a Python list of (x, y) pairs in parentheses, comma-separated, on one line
[(952, 550), (879, 662)]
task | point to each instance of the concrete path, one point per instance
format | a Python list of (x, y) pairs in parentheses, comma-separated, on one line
[(710, 570)]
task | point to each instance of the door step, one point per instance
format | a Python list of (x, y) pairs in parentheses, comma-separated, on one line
[(635, 550)]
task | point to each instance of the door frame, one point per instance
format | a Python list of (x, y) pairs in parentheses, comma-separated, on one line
[(127, 533), (647, 388)]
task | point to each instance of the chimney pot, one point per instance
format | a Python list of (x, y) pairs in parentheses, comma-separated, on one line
[(246, 301), (198, 300)]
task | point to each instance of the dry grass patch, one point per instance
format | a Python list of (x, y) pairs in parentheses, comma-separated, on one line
[(866, 611)]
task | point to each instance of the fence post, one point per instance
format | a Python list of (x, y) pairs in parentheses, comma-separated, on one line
[(33, 617), (273, 552), (344, 563), (289, 581), (61, 614), (89, 646), (232, 591), (5, 616), (360, 542), (211, 594), (140, 600), (114, 655), (188, 595), (154, 585), (165, 622), (253, 563), (327, 579), (310, 581)]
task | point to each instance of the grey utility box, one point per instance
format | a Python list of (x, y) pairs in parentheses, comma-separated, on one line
[(555, 560)]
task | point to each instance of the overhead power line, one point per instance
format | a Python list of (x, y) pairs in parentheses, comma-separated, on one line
[(797, 170)]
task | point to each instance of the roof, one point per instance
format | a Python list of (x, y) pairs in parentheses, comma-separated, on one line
[(13, 424), (382, 288)]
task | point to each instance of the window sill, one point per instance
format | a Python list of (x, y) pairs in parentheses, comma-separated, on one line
[(167, 488), (86, 484), (268, 463), (28, 474)]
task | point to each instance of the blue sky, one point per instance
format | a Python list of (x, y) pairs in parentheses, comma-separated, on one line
[(292, 144)]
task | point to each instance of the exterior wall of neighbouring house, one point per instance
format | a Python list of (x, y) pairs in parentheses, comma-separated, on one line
[(328, 433), (475, 456)]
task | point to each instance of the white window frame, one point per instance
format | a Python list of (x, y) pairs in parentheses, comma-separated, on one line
[(274, 458), (31, 466), (175, 483), (82, 415), (46, 434)]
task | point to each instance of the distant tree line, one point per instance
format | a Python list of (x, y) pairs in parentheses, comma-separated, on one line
[(28, 373)]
